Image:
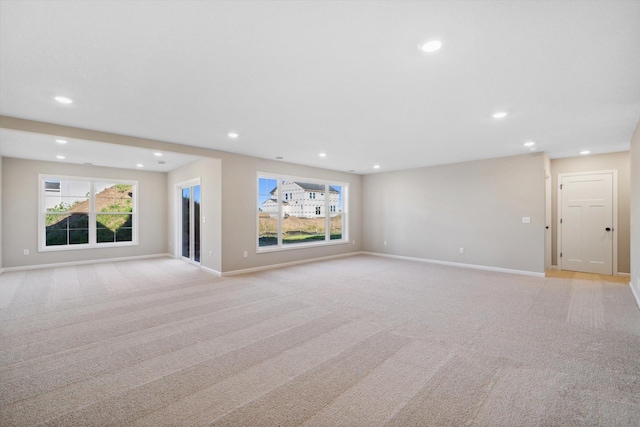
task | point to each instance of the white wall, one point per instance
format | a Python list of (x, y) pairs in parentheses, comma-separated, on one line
[(209, 172), (617, 161), (1, 241), (20, 212), (635, 213), (431, 212)]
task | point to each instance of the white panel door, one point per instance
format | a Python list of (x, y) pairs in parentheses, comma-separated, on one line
[(587, 223)]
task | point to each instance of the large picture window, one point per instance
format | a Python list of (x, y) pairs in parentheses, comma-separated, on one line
[(296, 212), (78, 213)]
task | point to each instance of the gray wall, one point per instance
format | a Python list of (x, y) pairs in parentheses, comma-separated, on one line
[(229, 192), (431, 212), (635, 211), (20, 212), (209, 173), (239, 195), (618, 161)]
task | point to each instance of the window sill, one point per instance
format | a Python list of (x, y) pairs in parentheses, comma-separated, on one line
[(293, 246), (85, 246)]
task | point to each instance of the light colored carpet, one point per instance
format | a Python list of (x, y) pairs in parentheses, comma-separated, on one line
[(358, 341)]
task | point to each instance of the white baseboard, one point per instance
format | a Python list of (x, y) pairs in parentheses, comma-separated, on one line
[(286, 264), (636, 292), (91, 261), (623, 274), (459, 264), (554, 267), (211, 270)]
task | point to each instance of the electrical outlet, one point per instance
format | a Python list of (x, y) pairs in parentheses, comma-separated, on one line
[(354, 242), (210, 254), (461, 250), (245, 254), (385, 243), (26, 252)]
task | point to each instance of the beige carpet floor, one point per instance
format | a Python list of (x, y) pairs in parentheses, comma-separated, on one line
[(357, 341)]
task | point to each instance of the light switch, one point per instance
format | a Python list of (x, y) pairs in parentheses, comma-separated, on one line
[(526, 220)]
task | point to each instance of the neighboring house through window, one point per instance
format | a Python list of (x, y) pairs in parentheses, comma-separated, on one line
[(291, 211)]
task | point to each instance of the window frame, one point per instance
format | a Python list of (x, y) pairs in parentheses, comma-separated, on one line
[(280, 246), (92, 214)]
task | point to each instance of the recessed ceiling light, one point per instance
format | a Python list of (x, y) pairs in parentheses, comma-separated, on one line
[(140, 165), (162, 162), (157, 154), (322, 154), (279, 158), (61, 141), (585, 152), (63, 99), (529, 144), (61, 157), (233, 135), (376, 166), (431, 46), (499, 115)]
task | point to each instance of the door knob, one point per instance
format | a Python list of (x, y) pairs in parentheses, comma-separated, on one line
[(608, 229)]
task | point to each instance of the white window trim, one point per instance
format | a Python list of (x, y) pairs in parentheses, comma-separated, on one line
[(327, 242), (178, 222), (93, 244)]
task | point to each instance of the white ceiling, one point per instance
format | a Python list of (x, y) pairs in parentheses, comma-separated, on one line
[(346, 78), (35, 146)]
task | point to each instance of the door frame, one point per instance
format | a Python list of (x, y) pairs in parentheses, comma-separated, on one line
[(614, 173), (548, 221), (178, 219)]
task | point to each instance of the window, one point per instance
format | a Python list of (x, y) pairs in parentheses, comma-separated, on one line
[(285, 224), (78, 213), (337, 217)]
